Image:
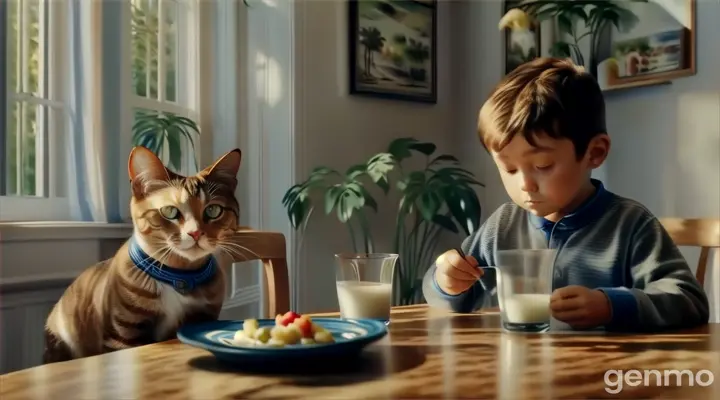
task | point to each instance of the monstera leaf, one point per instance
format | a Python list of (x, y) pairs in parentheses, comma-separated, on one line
[(154, 129)]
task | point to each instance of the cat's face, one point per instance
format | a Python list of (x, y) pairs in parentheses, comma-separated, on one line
[(186, 217)]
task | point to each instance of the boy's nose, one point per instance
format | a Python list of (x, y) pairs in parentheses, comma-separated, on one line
[(528, 185)]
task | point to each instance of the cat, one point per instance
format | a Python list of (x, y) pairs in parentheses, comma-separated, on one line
[(170, 271)]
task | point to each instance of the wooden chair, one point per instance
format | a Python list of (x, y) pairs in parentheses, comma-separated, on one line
[(703, 233), (270, 249)]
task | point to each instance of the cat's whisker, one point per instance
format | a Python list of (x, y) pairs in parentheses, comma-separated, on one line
[(230, 252), (241, 247)]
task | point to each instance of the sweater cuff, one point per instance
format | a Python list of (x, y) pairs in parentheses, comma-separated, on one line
[(624, 306), (437, 288)]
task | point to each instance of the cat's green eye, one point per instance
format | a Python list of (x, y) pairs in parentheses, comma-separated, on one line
[(213, 211), (169, 212)]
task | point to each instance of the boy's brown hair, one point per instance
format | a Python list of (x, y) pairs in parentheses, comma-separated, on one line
[(546, 95)]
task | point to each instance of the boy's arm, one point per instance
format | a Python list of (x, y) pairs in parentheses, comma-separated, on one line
[(665, 293), (473, 298)]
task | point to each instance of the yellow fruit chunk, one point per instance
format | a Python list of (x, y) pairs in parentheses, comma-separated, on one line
[(262, 334), (250, 326), (307, 341), (323, 337)]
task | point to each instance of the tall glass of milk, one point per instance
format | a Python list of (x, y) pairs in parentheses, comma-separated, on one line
[(365, 284), (524, 286)]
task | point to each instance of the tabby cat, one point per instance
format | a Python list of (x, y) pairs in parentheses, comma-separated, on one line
[(170, 272)]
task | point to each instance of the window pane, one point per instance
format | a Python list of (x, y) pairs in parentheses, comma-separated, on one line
[(145, 47), (13, 38), (171, 53), (26, 139)]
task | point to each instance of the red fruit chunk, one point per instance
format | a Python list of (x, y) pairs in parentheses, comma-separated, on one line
[(305, 327), (288, 318)]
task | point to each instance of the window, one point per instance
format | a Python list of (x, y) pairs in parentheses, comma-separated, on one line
[(164, 74), (32, 116)]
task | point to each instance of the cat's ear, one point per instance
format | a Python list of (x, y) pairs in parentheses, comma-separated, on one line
[(145, 163), (226, 168)]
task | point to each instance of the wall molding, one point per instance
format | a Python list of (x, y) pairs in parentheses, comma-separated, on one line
[(41, 231)]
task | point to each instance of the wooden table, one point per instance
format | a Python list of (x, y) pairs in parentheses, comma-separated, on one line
[(428, 354)]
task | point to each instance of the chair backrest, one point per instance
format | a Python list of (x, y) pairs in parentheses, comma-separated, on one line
[(270, 249), (699, 232)]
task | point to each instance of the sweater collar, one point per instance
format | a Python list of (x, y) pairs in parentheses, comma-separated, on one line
[(589, 211)]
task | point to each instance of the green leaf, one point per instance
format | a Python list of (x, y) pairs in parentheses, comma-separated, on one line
[(464, 207), (369, 200), (175, 150), (579, 12), (428, 204), (445, 222), (565, 24), (400, 148), (424, 147), (384, 185), (349, 201), (444, 157), (378, 168), (560, 49), (331, 197)]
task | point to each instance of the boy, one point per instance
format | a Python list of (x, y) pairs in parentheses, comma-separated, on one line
[(616, 267)]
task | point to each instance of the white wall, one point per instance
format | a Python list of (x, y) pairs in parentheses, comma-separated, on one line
[(665, 139)]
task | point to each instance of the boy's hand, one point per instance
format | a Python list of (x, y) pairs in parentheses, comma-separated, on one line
[(455, 274), (580, 307)]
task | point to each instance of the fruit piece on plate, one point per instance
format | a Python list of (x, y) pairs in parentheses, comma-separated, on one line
[(262, 334), (307, 340), (288, 318), (250, 326), (323, 337), (304, 325)]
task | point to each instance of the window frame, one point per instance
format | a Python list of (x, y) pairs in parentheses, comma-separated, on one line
[(189, 78), (51, 204)]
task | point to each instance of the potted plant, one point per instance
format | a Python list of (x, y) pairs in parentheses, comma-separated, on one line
[(438, 197), (158, 131)]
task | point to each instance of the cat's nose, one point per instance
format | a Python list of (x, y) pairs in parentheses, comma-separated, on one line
[(195, 235)]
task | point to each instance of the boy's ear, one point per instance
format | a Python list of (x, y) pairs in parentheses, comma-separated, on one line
[(598, 150)]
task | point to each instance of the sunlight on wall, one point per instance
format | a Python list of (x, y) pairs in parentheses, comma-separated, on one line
[(268, 82), (698, 152), (270, 3)]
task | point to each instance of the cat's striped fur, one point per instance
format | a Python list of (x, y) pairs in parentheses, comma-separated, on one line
[(114, 305)]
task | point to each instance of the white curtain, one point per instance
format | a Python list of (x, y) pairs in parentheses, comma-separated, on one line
[(95, 108)]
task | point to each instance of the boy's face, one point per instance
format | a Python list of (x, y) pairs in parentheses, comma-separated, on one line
[(548, 180)]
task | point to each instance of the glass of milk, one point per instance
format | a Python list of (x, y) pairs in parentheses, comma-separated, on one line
[(365, 285), (524, 286)]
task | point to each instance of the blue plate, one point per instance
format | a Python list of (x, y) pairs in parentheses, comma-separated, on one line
[(351, 337)]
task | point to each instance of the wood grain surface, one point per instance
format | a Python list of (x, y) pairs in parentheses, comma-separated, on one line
[(428, 354)]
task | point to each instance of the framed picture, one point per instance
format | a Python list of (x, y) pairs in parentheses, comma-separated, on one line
[(392, 49), (657, 47), (520, 47)]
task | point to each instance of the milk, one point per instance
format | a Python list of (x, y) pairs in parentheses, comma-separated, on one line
[(359, 299), (527, 308)]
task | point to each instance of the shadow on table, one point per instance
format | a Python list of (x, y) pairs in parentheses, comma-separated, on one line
[(369, 365)]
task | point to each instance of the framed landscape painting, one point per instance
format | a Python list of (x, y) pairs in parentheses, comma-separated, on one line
[(392, 49)]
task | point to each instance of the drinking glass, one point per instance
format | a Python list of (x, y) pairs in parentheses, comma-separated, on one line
[(524, 286), (364, 284)]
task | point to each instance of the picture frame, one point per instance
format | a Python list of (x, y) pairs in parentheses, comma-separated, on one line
[(659, 49), (396, 41), (513, 53)]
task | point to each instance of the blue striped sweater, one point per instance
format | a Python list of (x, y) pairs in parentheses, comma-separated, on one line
[(610, 243)]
